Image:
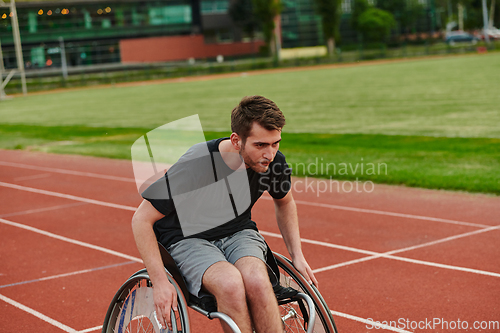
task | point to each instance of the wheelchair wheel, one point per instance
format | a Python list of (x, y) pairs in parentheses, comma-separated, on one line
[(291, 314), (132, 309)]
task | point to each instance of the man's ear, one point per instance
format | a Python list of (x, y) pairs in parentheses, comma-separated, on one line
[(236, 141)]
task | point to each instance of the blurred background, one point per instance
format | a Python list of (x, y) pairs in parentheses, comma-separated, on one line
[(409, 84), (75, 43)]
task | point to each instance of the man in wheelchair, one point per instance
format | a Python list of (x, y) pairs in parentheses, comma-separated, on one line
[(227, 260)]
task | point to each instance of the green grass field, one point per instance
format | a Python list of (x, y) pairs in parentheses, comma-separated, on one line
[(433, 122)]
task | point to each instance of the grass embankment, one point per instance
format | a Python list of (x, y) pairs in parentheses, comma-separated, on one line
[(469, 164), (430, 123), (453, 97)]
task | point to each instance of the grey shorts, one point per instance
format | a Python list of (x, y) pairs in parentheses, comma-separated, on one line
[(194, 256)]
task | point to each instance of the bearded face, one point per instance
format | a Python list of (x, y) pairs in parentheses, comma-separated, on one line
[(260, 148)]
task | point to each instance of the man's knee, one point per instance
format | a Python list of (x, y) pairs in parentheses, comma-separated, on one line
[(258, 285), (225, 282), (232, 288), (255, 276)]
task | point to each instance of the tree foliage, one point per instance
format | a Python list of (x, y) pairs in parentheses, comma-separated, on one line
[(411, 13), (473, 12), (329, 10), (406, 12), (375, 24), (266, 11), (359, 7)]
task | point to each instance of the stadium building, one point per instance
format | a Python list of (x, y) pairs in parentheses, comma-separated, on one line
[(132, 31)]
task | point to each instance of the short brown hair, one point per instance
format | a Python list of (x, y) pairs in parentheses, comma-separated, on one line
[(256, 108)]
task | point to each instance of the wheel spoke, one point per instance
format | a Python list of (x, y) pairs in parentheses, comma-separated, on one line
[(292, 315), (133, 309)]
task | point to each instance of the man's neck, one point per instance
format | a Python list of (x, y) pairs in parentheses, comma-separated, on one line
[(229, 154)]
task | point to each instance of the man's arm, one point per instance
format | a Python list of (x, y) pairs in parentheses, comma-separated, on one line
[(165, 296), (288, 222)]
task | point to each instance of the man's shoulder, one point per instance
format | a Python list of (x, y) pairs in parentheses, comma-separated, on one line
[(200, 151), (280, 156), (279, 164), (280, 159), (213, 145)]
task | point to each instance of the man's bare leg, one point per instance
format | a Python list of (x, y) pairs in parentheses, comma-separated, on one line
[(224, 281), (260, 295)]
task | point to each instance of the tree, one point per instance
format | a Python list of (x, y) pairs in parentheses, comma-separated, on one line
[(412, 11), (395, 7), (492, 15), (467, 13), (329, 10), (406, 12), (266, 11), (376, 24), (359, 7)]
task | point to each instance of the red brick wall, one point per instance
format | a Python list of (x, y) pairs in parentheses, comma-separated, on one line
[(180, 48)]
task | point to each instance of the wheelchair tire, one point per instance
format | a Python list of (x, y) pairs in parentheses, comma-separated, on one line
[(132, 309), (290, 277)]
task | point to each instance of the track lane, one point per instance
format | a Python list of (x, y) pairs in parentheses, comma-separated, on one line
[(482, 215), (78, 301), (34, 322), (361, 230), (387, 290), (30, 255)]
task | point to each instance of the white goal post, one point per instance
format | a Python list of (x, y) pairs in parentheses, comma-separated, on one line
[(19, 52)]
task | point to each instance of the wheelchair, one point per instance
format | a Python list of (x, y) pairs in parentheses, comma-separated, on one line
[(132, 309)]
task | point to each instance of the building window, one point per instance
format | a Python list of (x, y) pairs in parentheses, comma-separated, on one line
[(346, 6), (214, 6), (169, 15)]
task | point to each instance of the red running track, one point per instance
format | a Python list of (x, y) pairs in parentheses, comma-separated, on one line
[(419, 260)]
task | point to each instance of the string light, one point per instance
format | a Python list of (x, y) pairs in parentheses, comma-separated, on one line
[(4, 16), (40, 12), (99, 11), (49, 12), (108, 9)]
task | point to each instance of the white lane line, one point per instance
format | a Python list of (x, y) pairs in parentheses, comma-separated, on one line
[(72, 241), (412, 261), (58, 276), (67, 196), (37, 314), (368, 322), (346, 263), (389, 254), (97, 328), (68, 172), (325, 244), (450, 267), (346, 208), (380, 212), (443, 240), (41, 210)]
